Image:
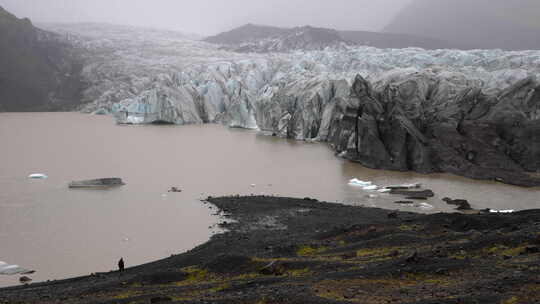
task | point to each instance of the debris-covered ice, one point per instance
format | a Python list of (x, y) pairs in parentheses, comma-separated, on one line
[(405, 186)]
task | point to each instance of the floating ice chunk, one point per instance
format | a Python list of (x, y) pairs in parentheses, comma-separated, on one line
[(423, 206), (37, 176), (501, 211), (384, 190), (136, 120), (253, 185), (373, 196), (101, 111), (359, 183), (6, 269), (371, 187)]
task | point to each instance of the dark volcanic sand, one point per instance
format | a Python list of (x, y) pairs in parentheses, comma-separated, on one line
[(284, 250)]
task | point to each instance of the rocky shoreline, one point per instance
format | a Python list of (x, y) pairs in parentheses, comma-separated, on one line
[(285, 250)]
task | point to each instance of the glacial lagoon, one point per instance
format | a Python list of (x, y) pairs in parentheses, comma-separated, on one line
[(63, 233)]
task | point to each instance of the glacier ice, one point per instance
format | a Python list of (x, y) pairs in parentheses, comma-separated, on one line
[(37, 176), (371, 187), (360, 99), (424, 206), (158, 76), (359, 183), (501, 211)]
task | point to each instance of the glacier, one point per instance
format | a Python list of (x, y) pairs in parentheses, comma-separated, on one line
[(385, 108)]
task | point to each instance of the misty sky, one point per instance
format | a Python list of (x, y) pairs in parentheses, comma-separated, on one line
[(212, 16)]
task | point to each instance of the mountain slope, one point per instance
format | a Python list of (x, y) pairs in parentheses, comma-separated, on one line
[(396, 41), (259, 38), (263, 39), (39, 71), (247, 33), (512, 25)]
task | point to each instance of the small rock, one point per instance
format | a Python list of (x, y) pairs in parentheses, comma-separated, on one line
[(532, 249), (175, 190), (440, 271), (349, 294), (274, 268), (348, 255), (393, 215), (25, 280), (461, 203), (414, 258), (160, 300)]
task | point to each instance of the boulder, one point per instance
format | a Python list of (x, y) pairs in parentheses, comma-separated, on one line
[(461, 204), (25, 280)]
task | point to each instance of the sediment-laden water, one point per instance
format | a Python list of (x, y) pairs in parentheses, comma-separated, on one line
[(62, 233)]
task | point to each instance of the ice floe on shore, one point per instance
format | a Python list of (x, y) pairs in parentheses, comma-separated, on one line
[(7, 269)]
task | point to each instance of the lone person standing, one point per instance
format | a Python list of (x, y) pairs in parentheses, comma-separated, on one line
[(121, 264)]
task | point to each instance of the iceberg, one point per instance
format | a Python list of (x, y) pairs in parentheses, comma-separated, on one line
[(501, 211), (371, 187), (101, 111), (404, 186), (134, 120), (359, 183), (38, 176), (425, 206)]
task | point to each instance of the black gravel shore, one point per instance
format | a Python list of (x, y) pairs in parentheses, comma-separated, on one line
[(285, 250)]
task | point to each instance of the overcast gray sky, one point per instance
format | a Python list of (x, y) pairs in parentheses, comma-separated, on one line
[(212, 16)]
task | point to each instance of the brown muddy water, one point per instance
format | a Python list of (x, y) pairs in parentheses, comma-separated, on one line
[(63, 233)]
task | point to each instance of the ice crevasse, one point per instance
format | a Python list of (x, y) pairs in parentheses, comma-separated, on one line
[(179, 81)]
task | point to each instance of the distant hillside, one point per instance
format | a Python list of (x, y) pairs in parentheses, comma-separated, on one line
[(262, 39), (506, 24), (396, 41), (38, 71), (247, 33), (259, 38)]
